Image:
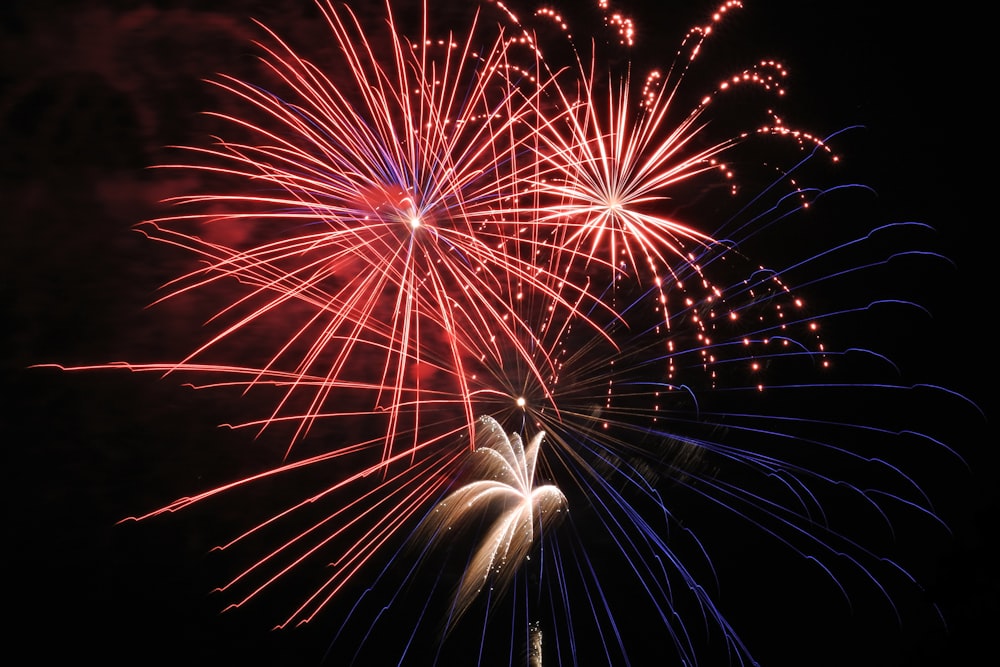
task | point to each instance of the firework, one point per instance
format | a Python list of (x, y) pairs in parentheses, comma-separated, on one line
[(447, 226), (503, 474)]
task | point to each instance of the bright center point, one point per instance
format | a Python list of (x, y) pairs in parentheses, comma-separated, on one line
[(415, 222), (521, 402)]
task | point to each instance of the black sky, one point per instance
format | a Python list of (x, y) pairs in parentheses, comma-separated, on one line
[(86, 450)]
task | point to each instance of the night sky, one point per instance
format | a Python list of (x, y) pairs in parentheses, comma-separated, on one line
[(88, 98)]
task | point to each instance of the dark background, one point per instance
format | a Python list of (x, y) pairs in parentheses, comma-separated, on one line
[(91, 91)]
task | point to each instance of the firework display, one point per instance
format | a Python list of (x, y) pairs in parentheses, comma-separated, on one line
[(522, 315)]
